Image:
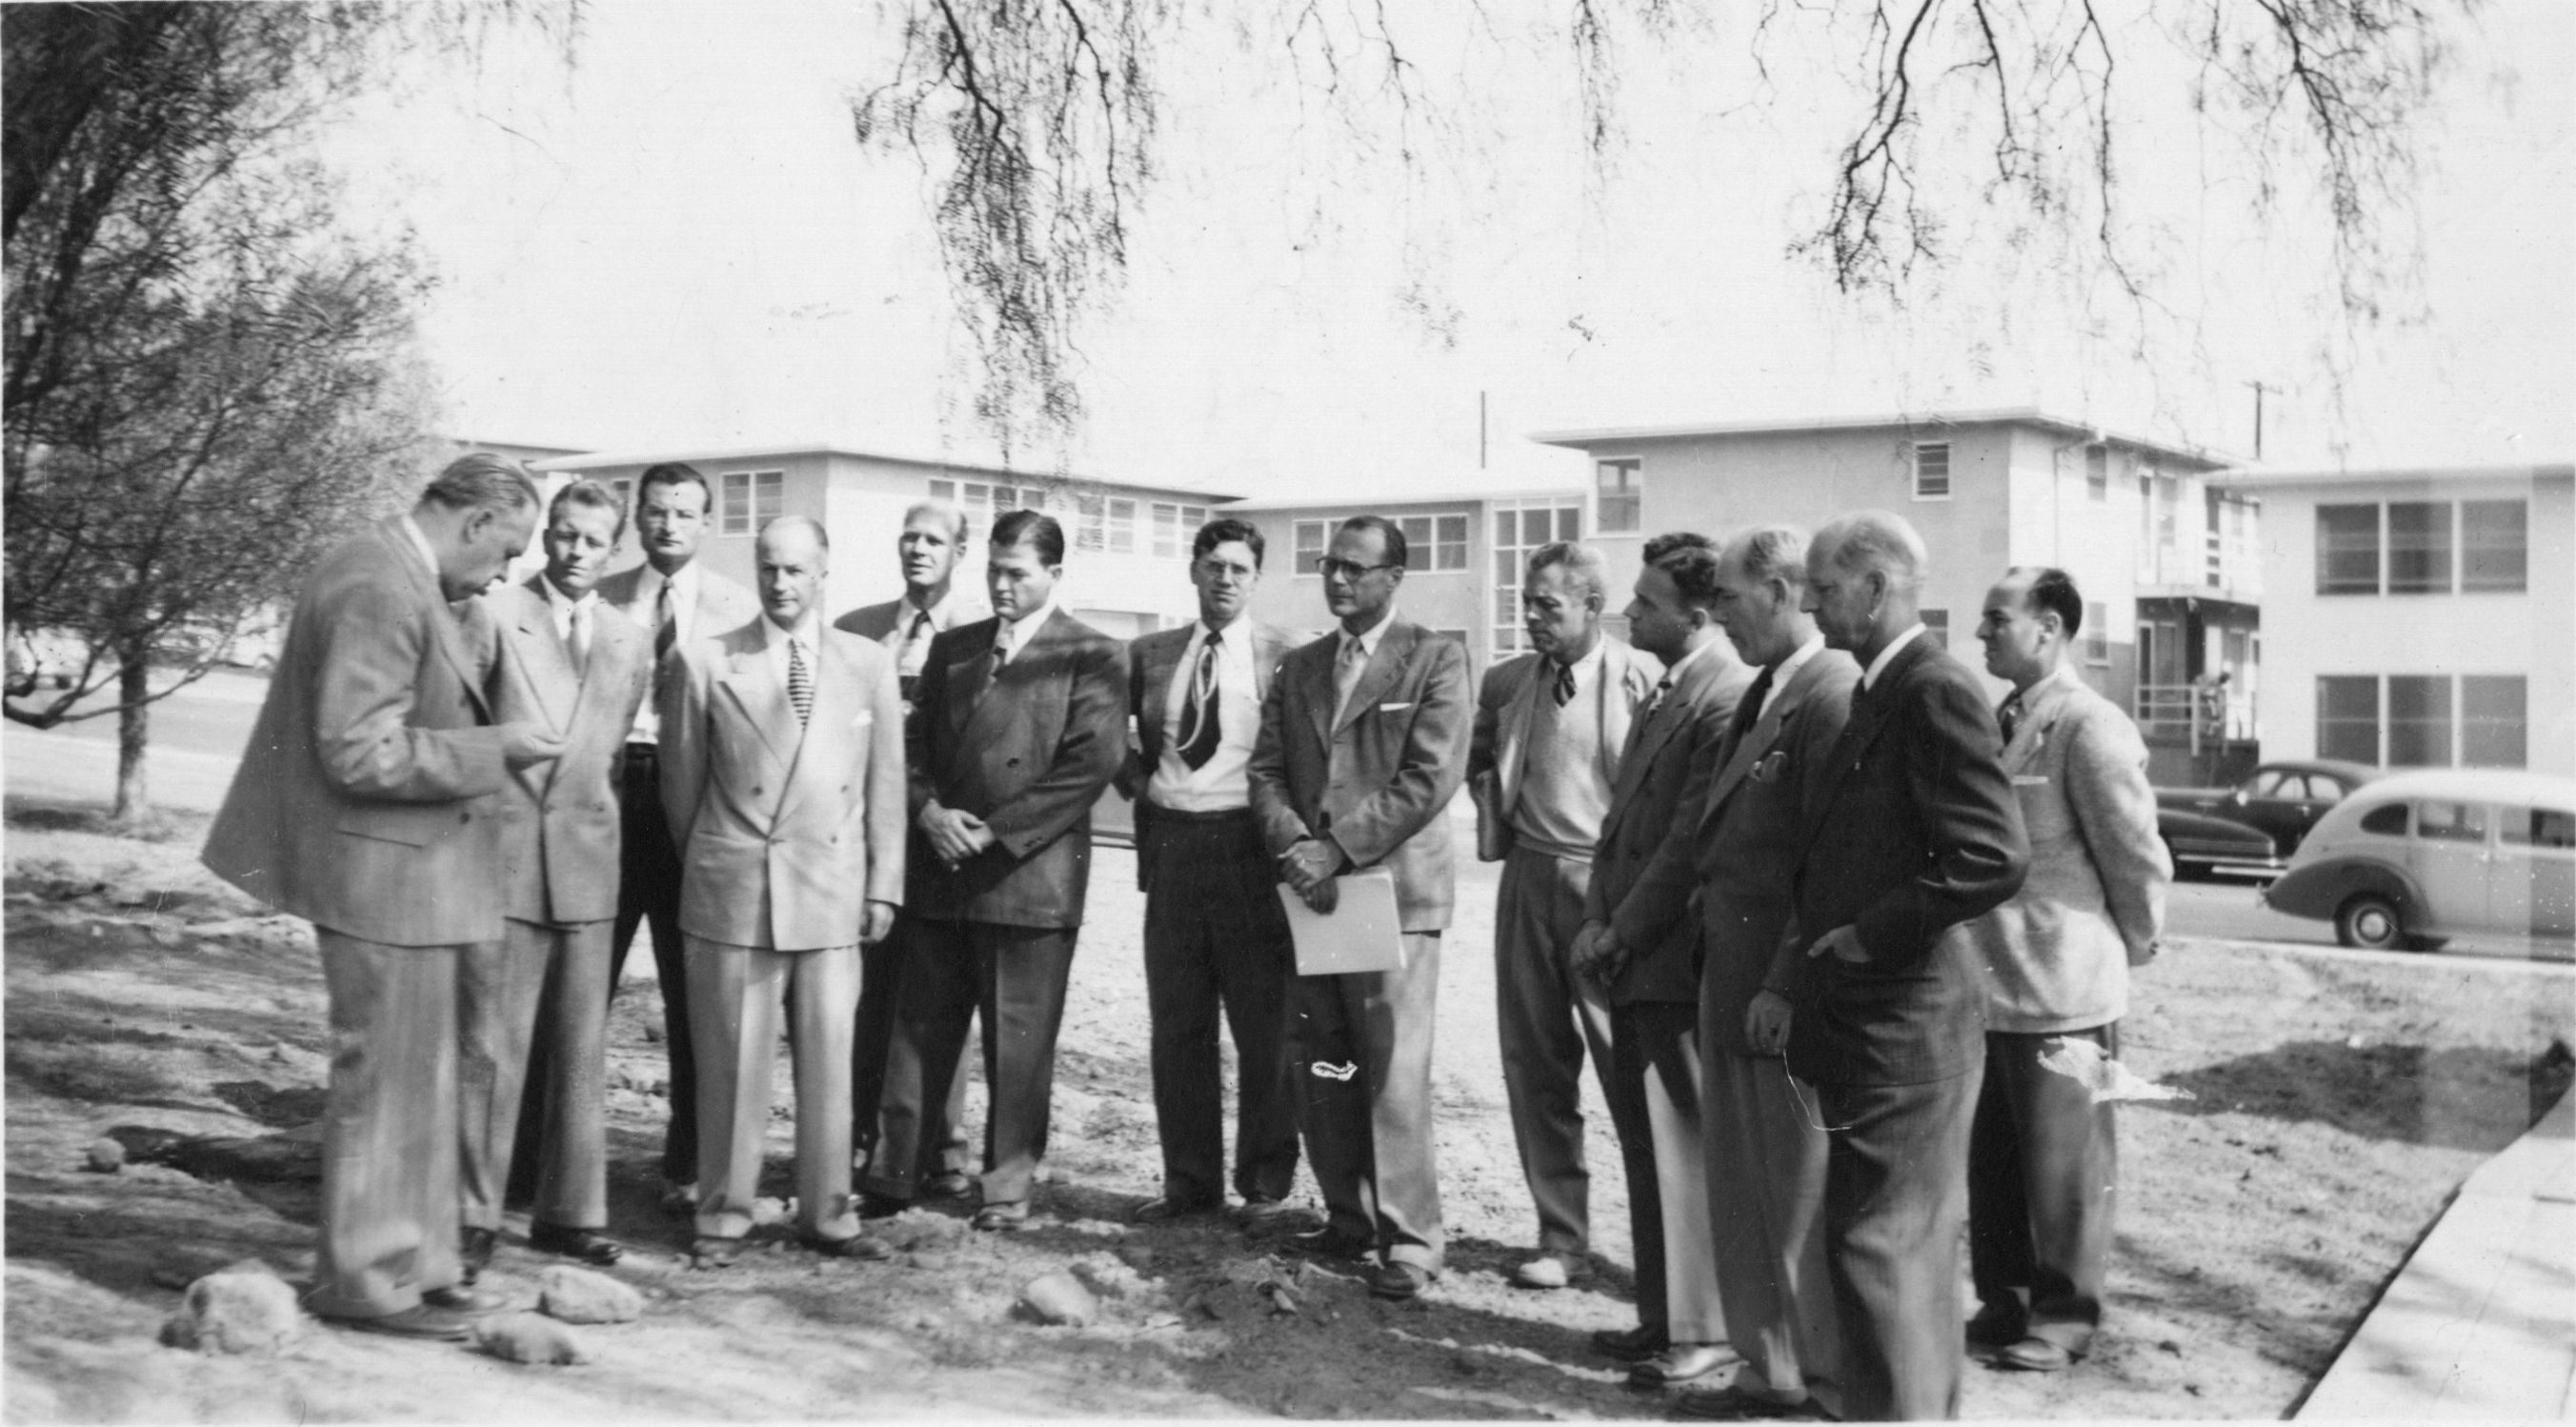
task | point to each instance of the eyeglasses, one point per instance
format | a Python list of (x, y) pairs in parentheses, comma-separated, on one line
[(1346, 569)]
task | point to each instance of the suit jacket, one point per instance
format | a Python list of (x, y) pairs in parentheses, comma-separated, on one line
[(1913, 831), (2057, 956), (1509, 701), (1029, 755), (366, 800), (785, 833), (1376, 781), (876, 621), (1733, 845), (1153, 662), (559, 818), (1654, 775)]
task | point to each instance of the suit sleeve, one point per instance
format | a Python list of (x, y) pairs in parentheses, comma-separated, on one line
[(683, 752), (1086, 757), (1427, 774), (1955, 780), (889, 814), (1267, 773), (1490, 697), (373, 642), (929, 712), (1135, 769), (2115, 809)]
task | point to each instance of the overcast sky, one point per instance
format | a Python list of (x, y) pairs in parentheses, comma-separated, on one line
[(677, 243)]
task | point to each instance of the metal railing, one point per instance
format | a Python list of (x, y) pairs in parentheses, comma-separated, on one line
[(2196, 713)]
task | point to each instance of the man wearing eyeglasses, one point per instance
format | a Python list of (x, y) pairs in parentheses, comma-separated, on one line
[(1362, 747), (1214, 933)]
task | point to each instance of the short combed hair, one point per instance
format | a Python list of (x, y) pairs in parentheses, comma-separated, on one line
[(822, 537), (1397, 553), (1690, 560), (1035, 529), (1659, 546), (1772, 552), (1581, 563), (947, 510), (1225, 528), (1879, 541), (480, 480), (590, 495), (2053, 590), (674, 473)]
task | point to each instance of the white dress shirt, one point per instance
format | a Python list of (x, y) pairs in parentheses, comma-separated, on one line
[(684, 619), (570, 612), (1870, 675), (1221, 784)]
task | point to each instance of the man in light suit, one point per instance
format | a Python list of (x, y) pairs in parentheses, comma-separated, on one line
[(1653, 1078), (570, 663), (1017, 725), (782, 775), (366, 804), (1543, 760), (1359, 756), (1723, 869), (927, 547), (2043, 1163), (1912, 832), (675, 600), (1215, 936)]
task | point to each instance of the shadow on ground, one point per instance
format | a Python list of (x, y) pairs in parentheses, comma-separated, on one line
[(2471, 1097)]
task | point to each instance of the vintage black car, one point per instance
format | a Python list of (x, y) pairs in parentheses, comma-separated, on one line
[(2256, 825)]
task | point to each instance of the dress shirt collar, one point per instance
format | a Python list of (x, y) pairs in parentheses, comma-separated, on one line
[(683, 583), (1369, 638), (1237, 635), (420, 546), (1673, 671), (1879, 664), (1788, 668), (802, 631)]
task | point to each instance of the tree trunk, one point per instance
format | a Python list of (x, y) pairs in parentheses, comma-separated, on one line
[(133, 732)]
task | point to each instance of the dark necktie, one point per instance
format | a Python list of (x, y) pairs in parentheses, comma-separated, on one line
[(2008, 717), (1748, 710), (1564, 685), (1199, 720), (666, 632), (912, 654), (800, 683)]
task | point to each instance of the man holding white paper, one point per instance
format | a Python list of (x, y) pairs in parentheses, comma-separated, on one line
[(1361, 750)]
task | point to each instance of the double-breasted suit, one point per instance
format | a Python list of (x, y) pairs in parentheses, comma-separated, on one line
[(787, 829), (1652, 1078), (1027, 749), (1914, 830), (535, 1006), (1372, 776), (366, 804), (1216, 940)]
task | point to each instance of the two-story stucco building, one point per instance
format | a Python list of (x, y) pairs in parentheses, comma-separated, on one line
[(2420, 617), (1127, 546)]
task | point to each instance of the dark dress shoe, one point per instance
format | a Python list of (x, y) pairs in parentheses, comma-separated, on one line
[(461, 1300), (1631, 1345), (955, 1184), (421, 1321), (1728, 1404), (679, 1200), (1164, 1209), (881, 1206), (588, 1245), (1007, 1218), (1683, 1364), (1330, 1242), (866, 1247), (2035, 1355), (474, 1252), (1995, 1330), (711, 1252), (1399, 1281)]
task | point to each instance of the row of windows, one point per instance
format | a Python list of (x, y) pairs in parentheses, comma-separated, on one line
[(2424, 720), (2467, 822), (1103, 524), (2423, 547), (1619, 485), (1431, 542)]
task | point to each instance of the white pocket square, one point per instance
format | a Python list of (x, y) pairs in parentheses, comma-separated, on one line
[(1393, 708)]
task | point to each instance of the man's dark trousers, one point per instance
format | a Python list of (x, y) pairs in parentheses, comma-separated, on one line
[(1653, 1041), (648, 893), (880, 999), (1215, 935), (2043, 1175), (954, 971), (1896, 1201)]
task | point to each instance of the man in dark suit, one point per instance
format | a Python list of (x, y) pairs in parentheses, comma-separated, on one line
[(673, 599), (1724, 867), (1362, 747), (367, 804), (1017, 725), (1215, 937), (1653, 1078), (1913, 831), (535, 1008), (927, 547)]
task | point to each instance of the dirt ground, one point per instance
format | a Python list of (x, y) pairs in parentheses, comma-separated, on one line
[(2338, 1105)]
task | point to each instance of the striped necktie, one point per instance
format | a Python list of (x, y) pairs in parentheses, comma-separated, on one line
[(800, 682)]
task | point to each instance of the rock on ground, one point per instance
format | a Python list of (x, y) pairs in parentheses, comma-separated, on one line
[(529, 1338), (241, 1309), (577, 1295), (105, 1156), (1059, 1297)]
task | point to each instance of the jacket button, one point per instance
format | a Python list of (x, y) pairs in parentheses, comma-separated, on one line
[(465, 817), (755, 791)]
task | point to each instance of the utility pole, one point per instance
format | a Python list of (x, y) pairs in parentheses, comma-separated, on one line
[(2258, 419), (1480, 431)]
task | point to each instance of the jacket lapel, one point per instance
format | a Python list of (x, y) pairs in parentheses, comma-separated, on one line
[(1393, 649), (1757, 741), (1869, 719), (1318, 692), (968, 676), (2039, 710), (550, 670), (1625, 687), (763, 698), (1163, 660)]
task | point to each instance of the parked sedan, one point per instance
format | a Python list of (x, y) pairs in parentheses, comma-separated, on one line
[(2257, 824), (2415, 859)]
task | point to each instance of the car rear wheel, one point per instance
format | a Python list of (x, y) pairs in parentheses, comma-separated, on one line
[(2371, 921)]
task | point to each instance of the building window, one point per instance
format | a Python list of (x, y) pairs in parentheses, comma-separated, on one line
[(1176, 527), (1936, 622), (624, 489), (1619, 501), (1932, 470), (1520, 528), (981, 502), (749, 500), (1122, 527), (2097, 633), (1434, 542), (1308, 536), (2348, 717), (1090, 522), (2494, 721), (2347, 549), (2419, 548), (2495, 546), (2097, 473), (2419, 721)]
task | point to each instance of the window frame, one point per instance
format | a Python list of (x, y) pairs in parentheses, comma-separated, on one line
[(748, 520), (2471, 580), (1304, 564), (2347, 546), (1948, 483), (2426, 556), (1626, 495), (1510, 561), (2097, 473)]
